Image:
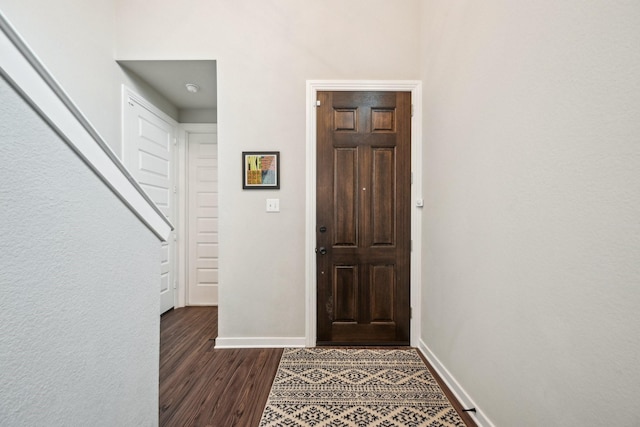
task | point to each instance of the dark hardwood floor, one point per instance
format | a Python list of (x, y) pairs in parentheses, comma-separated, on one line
[(200, 386)]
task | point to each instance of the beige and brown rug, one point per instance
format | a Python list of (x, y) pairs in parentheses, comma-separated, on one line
[(320, 387)]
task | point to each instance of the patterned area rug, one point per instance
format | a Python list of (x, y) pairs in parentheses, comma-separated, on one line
[(320, 387)]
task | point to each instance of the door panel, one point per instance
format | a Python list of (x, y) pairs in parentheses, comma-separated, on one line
[(383, 197), (382, 291), (148, 155), (202, 219), (363, 213), (346, 293), (344, 189)]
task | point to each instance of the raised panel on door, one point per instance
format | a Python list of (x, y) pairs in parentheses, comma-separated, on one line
[(383, 200), (202, 247), (345, 291), (382, 283), (345, 203), (363, 188)]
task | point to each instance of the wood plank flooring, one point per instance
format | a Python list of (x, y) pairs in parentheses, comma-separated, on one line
[(203, 387), (200, 386)]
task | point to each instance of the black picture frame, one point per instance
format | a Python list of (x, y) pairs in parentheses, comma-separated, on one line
[(260, 170)]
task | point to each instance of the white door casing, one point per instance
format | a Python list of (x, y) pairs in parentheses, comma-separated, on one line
[(148, 150), (202, 214)]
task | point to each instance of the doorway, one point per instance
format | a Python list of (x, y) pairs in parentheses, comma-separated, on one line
[(184, 94), (414, 204), (200, 220)]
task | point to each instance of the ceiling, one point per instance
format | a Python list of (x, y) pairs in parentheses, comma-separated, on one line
[(170, 77)]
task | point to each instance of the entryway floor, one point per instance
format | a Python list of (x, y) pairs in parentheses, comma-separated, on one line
[(200, 386)]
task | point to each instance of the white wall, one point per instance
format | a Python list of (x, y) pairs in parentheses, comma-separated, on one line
[(75, 40), (532, 217), (265, 51), (78, 290), (531, 236)]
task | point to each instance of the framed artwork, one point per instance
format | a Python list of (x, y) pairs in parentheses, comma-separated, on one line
[(261, 170)]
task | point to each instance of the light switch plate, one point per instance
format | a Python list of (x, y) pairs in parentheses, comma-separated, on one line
[(273, 205)]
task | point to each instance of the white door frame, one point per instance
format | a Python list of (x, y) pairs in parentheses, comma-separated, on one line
[(183, 204), (313, 87)]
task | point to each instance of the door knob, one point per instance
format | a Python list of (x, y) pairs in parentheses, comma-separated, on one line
[(323, 229), (321, 250)]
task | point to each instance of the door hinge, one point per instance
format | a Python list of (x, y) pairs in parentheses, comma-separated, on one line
[(175, 189), (410, 312), (175, 284), (411, 249), (318, 103), (412, 110), (175, 141), (411, 178)]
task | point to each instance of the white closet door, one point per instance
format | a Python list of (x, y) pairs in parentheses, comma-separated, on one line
[(148, 150), (202, 219)]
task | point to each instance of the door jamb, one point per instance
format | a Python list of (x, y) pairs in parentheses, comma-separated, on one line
[(313, 87)]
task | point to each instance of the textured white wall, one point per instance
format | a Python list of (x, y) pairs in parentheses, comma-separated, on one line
[(265, 51), (532, 206), (78, 288)]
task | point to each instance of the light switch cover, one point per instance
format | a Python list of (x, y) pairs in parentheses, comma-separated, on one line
[(273, 205)]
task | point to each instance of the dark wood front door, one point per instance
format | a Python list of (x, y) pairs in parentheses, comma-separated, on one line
[(363, 213)]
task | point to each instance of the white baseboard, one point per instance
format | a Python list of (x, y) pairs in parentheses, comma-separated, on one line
[(201, 305), (463, 397), (261, 342)]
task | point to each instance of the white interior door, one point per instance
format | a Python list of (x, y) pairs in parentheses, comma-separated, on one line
[(202, 218), (148, 149)]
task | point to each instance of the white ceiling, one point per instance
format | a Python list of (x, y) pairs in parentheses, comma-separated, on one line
[(170, 77)]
